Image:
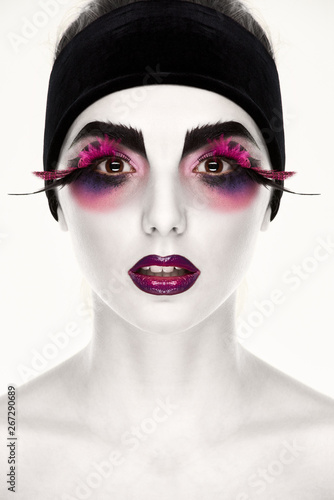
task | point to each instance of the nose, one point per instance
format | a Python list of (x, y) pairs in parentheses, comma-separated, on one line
[(164, 207)]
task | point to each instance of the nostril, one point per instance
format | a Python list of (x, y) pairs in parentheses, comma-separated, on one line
[(164, 211)]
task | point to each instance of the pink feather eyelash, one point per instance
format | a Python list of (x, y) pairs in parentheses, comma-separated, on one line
[(92, 153), (86, 157), (242, 157), (222, 148)]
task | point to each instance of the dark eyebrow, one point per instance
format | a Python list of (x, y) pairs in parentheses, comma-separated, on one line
[(199, 136), (133, 138), (130, 137)]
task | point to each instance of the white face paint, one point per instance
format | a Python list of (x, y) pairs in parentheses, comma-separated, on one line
[(164, 208)]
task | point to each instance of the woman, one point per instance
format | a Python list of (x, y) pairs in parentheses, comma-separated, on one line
[(164, 201)]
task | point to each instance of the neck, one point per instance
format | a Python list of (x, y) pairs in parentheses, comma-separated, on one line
[(199, 372)]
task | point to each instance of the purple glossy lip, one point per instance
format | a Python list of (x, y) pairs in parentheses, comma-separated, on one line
[(170, 260), (164, 285)]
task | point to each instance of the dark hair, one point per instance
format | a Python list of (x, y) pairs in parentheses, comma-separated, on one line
[(231, 8)]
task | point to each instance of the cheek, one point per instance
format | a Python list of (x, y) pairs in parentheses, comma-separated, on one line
[(230, 193), (99, 192), (233, 197)]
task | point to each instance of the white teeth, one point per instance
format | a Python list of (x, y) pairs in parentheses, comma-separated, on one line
[(156, 269), (159, 269), (168, 269)]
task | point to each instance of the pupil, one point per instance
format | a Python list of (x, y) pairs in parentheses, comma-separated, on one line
[(114, 166), (213, 166)]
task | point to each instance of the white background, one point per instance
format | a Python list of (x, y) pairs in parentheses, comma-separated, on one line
[(41, 286)]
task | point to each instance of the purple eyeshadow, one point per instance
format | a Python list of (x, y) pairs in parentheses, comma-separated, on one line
[(93, 182), (234, 182)]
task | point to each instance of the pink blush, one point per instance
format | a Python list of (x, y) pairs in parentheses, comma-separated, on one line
[(100, 192), (92, 201), (231, 202)]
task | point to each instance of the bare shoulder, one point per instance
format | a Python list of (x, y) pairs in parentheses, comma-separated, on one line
[(305, 415), (45, 419), (287, 396), (48, 399)]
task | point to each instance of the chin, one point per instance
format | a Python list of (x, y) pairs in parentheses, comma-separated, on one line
[(160, 319)]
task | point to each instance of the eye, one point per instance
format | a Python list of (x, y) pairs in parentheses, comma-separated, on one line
[(113, 165), (215, 165)]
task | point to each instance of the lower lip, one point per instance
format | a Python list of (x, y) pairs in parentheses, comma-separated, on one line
[(162, 285)]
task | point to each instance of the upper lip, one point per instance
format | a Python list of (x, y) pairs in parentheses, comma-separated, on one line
[(169, 260)]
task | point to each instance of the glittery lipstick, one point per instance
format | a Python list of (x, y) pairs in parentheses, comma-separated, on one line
[(164, 275)]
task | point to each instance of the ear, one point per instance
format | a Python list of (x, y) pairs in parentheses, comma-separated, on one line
[(266, 219), (61, 219)]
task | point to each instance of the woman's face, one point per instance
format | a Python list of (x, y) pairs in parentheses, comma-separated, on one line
[(159, 197)]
